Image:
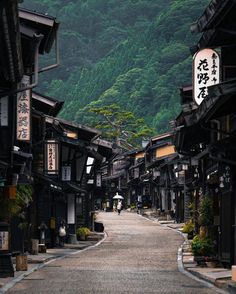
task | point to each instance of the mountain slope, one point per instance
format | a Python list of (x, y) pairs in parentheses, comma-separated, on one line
[(131, 52)]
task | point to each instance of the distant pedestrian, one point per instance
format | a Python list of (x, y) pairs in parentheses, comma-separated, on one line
[(119, 206), (139, 207), (62, 233)]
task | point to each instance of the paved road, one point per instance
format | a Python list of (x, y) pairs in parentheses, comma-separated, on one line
[(138, 256)]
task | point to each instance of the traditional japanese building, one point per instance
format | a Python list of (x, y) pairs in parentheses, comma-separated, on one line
[(205, 132), (159, 152)]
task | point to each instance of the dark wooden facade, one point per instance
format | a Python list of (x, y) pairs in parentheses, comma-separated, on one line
[(205, 134)]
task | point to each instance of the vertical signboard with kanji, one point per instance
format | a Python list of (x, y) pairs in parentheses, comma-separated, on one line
[(98, 179), (51, 157), (66, 173), (23, 116), (206, 72)]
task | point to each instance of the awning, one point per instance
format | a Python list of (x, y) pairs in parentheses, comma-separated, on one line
[(212, 15), (46, 104), (74, 188), (53, 183), (220, 102)]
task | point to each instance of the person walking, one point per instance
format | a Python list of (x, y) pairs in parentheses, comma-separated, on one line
[(119, 207), (62, 233)]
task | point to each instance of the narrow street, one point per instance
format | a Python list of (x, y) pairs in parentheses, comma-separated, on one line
[(138, 256)]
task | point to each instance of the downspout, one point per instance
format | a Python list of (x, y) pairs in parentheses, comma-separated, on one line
[(46, 68), (35, 83)]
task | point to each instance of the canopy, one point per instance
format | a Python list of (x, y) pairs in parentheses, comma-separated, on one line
[(117, 196)]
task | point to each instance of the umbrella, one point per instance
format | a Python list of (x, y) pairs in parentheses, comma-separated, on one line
[(117, 196)]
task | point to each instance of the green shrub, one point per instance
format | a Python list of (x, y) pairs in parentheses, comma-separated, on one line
[(188, 227), (206, 212), (202, 246), (83, 231)]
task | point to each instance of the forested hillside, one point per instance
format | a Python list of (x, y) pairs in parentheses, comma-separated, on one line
[(131, 52)]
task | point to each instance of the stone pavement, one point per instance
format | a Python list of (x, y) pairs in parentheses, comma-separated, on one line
[(218, 276), (36, 261)]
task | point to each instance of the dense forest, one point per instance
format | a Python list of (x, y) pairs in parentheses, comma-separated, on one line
[(134, 53)]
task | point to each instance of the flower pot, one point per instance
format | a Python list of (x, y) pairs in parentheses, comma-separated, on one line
[(211, 264), (83, 237), (21, 262)]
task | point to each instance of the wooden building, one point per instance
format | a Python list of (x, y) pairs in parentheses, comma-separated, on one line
[(205, 132), (63, 170), (159, 153)]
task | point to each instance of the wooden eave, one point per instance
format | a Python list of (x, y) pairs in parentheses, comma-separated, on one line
[(46, 104), (220, 102), (186, 139), (217, 38), (213, 15), (186, 94), (85, 133), (105, 148), (11, 65), (42, 24)]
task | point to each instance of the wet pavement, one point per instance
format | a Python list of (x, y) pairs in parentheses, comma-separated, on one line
[(137, 256)]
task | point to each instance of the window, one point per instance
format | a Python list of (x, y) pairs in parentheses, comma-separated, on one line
[(89, 165)]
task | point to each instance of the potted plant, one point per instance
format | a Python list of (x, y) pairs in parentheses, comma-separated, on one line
[(82, 233), (188, 228), (203, 249), (23, 199), (206, 217)]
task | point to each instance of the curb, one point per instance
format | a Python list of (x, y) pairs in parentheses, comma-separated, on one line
[(49, 260), (195, 276), (181, 267)]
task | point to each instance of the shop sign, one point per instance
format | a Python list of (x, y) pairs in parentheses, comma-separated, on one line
[(66, 173), (4, 241), (4, 112), (23, 120), (225, 177), (51, 157), (206, 72)]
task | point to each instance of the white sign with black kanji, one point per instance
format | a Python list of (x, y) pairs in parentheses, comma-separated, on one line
[(206, 72)]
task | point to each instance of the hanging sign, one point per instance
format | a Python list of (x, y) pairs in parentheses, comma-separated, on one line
[(206, 72), (4, 111), (66, 173), (23, 120), (51, 157), (225, 177), (99, 179)]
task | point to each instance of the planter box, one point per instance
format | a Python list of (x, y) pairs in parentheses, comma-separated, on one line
[(21, 262)]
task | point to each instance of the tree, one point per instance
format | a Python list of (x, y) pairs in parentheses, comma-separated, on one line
[(120, 125)]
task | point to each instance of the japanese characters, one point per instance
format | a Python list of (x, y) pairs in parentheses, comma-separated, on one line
[(206, 65)]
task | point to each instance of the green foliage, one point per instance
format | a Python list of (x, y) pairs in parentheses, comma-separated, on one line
[(188, 227), (132, 53), (119, 125), (206, 212), (202, 246), (15, 207), (83, 231)]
